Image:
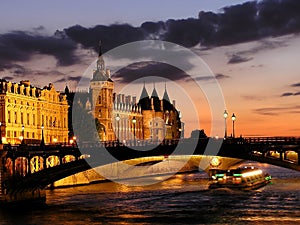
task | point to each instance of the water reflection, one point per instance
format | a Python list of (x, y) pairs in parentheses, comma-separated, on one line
[(182, 199)]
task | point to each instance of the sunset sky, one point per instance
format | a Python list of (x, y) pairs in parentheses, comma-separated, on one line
[(252, 49)]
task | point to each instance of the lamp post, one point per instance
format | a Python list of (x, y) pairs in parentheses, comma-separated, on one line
[(118, 121), (0, 133), (134, 122), (43, 141), (23, 137), (225, 117), (233, 119)]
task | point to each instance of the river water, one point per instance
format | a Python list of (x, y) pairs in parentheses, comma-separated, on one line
[(182, 199)]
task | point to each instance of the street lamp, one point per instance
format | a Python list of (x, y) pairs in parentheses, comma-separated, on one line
[(23, 128), (118, 121), (134, 122), (233, 119), (225, 117), (0, 133)]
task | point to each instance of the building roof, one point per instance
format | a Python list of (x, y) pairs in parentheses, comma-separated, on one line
[(166, 96)]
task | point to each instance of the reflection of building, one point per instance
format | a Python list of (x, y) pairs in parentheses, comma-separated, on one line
[(24, 109), (122, 117)]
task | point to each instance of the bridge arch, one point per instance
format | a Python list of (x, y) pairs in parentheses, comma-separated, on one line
[(36, 164), (52, 160), (68, 158)]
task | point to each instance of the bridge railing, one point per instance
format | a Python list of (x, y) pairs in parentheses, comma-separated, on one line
[(272, 140)]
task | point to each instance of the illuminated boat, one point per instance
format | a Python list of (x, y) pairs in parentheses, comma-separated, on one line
[(243, 178)]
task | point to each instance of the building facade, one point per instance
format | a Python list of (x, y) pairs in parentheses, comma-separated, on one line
[(123, 118), (27, 111)]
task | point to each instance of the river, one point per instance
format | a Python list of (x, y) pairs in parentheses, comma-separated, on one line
[(182, 199)]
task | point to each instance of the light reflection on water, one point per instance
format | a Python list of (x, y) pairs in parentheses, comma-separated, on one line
[(184, 199)]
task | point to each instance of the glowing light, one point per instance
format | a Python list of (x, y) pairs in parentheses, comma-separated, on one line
[(252, 173), (215, 162)]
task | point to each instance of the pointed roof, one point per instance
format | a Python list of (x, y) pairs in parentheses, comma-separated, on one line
[(154, 92), (100, 49), (67, 91), (166, 96), (144, 93)]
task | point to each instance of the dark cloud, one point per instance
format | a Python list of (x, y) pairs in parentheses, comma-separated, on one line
[(295, 85), (297, 93), (7, 78), (234, 59), (76, 79), (19, 46), (145, 69), (220, 76), (234, 24), (287, 94), (110, 36), (273, 111)]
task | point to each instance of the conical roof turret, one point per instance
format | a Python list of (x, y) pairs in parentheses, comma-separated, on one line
[(166, 96)]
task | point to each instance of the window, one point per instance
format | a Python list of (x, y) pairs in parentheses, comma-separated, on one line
[(28, 122), (16, 115), (33, 119), (8, 117), (22, 118)]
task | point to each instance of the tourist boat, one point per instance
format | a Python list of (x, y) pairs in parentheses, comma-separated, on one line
[(243, 178)]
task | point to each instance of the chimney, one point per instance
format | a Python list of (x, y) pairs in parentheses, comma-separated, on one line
[(161, 105)]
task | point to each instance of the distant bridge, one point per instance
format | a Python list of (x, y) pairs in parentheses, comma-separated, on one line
[(26, 168)]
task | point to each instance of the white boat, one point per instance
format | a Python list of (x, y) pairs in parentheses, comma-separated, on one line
[(243, 178)]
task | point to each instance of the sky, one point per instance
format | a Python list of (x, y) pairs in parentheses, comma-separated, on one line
[(251, 47)]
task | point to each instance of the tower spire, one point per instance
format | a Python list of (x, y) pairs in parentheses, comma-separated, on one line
[(100, 49), (154, 92), (100, 61), (166, 96)]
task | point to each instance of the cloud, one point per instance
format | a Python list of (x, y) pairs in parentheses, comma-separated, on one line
[(220, 76), (234, 59), (240, 23), (145, 69), (234, 24), (295, 85), (273, 111), (287, 94), (110, 36), (252, 98), (20, 45), (297, 93), (7, 78)]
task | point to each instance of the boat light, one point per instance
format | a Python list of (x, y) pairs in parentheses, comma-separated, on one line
[(252, 173)]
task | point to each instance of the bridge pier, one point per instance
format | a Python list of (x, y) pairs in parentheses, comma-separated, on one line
[(281, 155)]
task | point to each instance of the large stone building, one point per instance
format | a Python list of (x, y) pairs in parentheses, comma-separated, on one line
[(124, 118), (25, 110)]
